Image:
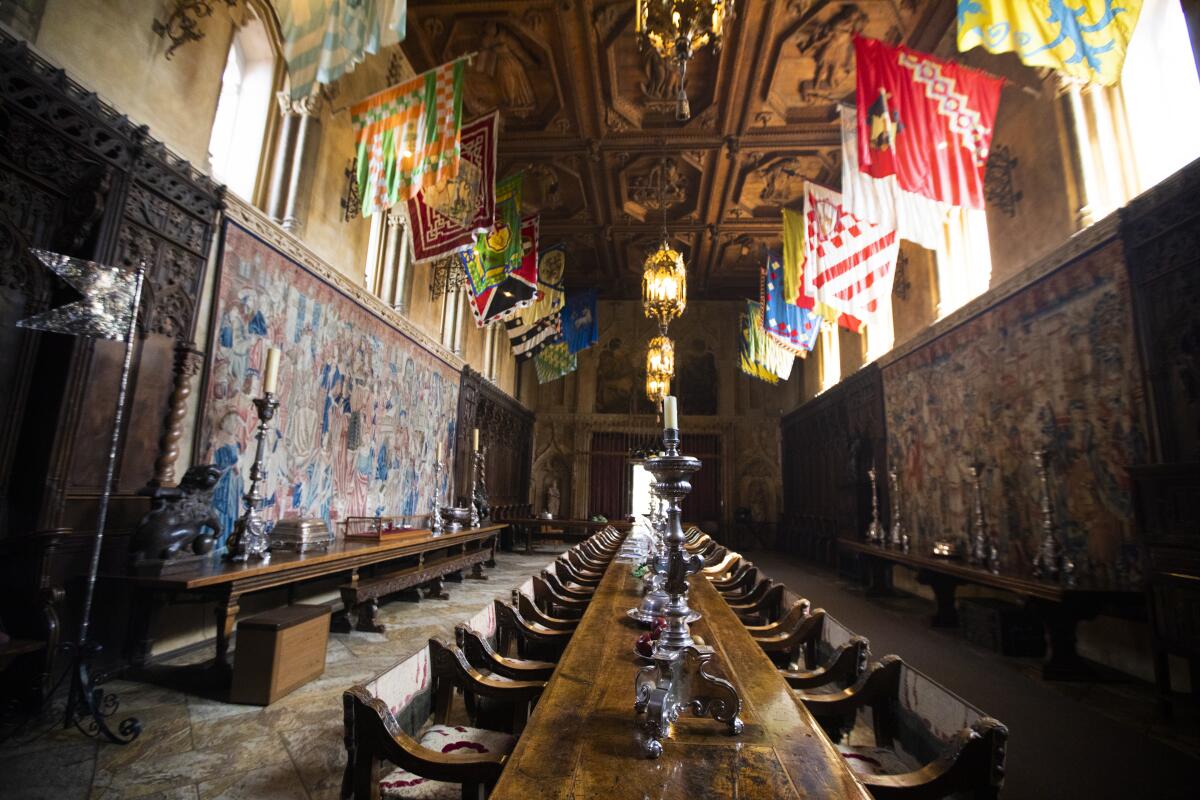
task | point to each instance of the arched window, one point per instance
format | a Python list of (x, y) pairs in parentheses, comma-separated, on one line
[(235, 148)]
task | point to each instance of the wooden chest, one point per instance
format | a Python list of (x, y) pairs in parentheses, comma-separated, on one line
[(279, 651)]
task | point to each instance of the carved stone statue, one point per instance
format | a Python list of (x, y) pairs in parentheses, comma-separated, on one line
[(182, 521), (662, 82), (553, 498)]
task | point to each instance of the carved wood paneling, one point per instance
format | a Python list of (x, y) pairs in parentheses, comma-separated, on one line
[(505, 430)]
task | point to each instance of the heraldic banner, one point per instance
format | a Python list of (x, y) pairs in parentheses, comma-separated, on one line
[(447, 216), (927, 121)]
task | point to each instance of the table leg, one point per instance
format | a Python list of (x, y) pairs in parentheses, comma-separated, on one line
[(477, 572), (491, 562), (1063, 662), (528, 538), (434, 590), (453, 577), (227, 611), (879, 576), (943, 588), (145, 606)]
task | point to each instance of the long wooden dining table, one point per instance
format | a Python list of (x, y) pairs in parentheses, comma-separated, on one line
[(583, 740)]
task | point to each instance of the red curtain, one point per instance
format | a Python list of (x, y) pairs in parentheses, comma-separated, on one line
[(612, 473)]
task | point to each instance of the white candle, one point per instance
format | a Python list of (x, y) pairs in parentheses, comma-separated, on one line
[(271, 371), (670, 413), (475, 440), (439, 455)]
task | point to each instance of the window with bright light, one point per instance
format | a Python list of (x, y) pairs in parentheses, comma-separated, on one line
[(639, 490), (831, 355), (1133, 135), (243, 107)]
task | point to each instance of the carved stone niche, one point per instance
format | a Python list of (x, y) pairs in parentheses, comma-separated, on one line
[(641, 86), (514, 68), (814, 55), (551, 188), (640, 181), (769, 181)]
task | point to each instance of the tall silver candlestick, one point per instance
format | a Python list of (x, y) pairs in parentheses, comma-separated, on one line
[(978, 552), (875, 533), (1051, 560), (897, 537), (679, 678), (435, 518), (250, 541)]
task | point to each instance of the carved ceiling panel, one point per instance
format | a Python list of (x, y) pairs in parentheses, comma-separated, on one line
[(770, 180), (639, 85), (814, 54), (513, 68), (590, 119), (650, 184), (552, 187)]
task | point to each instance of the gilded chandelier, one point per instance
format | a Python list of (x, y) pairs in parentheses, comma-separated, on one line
[(676, 29), (664, 284)]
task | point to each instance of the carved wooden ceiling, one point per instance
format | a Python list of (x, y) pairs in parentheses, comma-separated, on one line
[(590, 120)]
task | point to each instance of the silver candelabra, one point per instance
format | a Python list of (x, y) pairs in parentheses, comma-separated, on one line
[(250, 541), (977, 552), (897, 537), (679, 676)]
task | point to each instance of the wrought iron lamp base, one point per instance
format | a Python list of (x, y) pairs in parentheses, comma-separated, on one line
[(88, 705)]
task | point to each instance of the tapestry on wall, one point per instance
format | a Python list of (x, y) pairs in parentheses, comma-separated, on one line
[(1054, 366), (362, 406)]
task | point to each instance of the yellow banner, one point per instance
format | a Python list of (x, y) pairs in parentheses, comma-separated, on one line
[(1084, 39)]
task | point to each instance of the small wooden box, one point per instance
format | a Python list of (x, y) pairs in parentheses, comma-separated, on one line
[(279, 651)]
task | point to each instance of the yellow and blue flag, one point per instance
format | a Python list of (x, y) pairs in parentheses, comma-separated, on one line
[(1083, 39)]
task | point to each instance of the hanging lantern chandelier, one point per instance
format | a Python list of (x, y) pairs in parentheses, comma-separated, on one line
[(660, 367), (664, 276), (676, 29)]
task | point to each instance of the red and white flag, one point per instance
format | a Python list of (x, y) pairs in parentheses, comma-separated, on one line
[(850, 264), (927, 121)]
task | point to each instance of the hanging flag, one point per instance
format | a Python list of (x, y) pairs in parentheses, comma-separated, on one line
[(850, 264), (926, 121), (528, 338), (1086, 41), (516, 291), (793, 328), (553, 362), (497, 253), (552, 263), (760, 356), (581, 327), (448, 215), (913, 216), (408, 136), (793, 256), (325, 39)]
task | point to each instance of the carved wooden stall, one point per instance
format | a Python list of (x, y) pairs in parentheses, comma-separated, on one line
[(506, 432), (77, 177), (1162, 250), (829, 443)]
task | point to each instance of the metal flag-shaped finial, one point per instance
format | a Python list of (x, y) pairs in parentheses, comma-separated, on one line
[(108, 299)]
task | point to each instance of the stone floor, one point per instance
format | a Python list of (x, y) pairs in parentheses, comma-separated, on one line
[(199, 747)]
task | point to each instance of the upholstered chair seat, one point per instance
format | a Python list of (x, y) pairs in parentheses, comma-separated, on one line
[(404, 785)]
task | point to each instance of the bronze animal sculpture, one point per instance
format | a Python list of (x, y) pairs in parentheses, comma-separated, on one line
[(182, 521)]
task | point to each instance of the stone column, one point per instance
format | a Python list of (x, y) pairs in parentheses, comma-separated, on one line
[(391, 289), (285, 146), (308, 127)]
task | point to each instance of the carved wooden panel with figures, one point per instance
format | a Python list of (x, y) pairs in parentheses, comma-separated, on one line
[(590, 119)]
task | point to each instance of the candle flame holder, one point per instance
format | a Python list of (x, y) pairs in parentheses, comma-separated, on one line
[(435, 516)]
